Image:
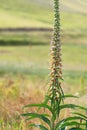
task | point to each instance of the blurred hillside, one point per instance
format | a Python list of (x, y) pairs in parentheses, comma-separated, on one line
[(38, 13), (77, 6)]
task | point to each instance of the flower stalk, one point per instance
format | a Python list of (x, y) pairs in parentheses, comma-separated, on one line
[(55, 57), (55, 90)]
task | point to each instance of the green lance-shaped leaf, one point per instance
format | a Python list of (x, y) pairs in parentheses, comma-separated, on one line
[(40, 116), (39, 126), (69, 96), (42, 105), (72, 106), (75, 128), (73, 118), (81, 115), (72, 123)]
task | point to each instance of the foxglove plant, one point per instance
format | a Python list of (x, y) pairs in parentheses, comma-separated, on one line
[(54, 101)]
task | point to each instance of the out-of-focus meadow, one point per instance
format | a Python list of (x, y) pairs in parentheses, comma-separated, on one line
[(24, 56)]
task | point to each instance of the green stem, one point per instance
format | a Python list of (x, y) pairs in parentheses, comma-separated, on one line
[(53, 125), (53, 121), (55, 66), (55, 63)]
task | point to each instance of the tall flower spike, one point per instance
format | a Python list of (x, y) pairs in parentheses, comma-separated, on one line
[(55, 90)]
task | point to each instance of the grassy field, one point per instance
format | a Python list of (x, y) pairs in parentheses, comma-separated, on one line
[(33, 60), (24, 78)]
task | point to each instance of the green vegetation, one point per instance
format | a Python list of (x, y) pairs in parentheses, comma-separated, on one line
[(54, 100), (24, 69), (25, 13), (14, 126)]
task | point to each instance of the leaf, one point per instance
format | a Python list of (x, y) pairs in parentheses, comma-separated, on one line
[(81, 107), (68, 119), (43, 105), (69, 96), (39, 126), (73, 118), (72, 106), (73, 123), (73, 128), (66, 122), (33, 114), (40, 116), (83, 116)]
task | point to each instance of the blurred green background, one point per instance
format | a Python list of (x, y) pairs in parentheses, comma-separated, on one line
[(24, 55), (27, 53)]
